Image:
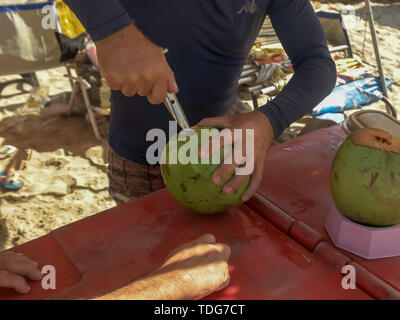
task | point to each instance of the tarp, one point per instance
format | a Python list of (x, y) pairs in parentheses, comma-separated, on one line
[(354, 95), (24, 45)]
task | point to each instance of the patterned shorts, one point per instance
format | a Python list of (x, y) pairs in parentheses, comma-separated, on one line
[(128, 179)]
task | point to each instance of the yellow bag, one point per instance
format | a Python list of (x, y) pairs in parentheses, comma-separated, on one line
[(271, 51), (70, 25)]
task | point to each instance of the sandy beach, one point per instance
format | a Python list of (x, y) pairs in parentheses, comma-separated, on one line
[(387, 22), (63, 166), (59, 161)]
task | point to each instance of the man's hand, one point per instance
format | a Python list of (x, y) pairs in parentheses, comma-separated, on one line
[(14, 267), (131, 63), (191, 271), (263, 137), (196, 269)]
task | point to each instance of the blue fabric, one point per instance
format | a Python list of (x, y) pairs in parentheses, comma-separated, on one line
[(32, 6), (12, 186), (208, 42), (353, 95), (337, 117)]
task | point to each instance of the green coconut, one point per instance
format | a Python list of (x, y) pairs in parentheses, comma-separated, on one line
[(365, 178), (189, 182)]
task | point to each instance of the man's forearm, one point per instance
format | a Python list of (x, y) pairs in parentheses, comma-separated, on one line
[(311, 83), (155, 287), (100, 18), (302, 37)]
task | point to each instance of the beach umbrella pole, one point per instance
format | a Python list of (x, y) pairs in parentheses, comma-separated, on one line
[(376, 47)]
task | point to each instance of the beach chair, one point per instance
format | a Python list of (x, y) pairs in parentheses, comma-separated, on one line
[(43, 48), (82, 86), (269, 74), (261, 74), (25, 46)]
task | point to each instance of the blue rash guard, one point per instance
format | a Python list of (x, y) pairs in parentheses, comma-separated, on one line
[(208, 43)]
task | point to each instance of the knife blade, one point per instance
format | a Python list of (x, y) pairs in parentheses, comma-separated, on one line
[(175, 109)]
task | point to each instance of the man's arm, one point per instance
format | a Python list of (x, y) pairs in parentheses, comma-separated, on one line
[(191, 271), (127, 59), (302, 37), (100, 18), (156, 287)]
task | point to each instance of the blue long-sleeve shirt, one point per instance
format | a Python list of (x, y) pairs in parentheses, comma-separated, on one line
[(208, 43)]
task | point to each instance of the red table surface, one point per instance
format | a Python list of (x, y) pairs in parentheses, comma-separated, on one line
[(299, 185), (109, 249), (106, 251)]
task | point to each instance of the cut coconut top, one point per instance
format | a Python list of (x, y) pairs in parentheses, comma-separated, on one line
[(377, 139)]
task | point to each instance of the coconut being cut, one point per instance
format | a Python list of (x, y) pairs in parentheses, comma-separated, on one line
[(189, 180)]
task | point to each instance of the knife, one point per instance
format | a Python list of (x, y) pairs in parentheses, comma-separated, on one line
[(175, 108)]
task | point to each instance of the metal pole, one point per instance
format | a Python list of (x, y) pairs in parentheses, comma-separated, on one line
[(376, 47)]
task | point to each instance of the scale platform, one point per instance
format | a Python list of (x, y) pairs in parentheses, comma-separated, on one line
[(367, 242)]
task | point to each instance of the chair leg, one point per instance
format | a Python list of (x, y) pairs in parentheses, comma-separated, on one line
[(390, 109), (70, 77), (91, 114), (31, 78), (75, 88), (255, 100)]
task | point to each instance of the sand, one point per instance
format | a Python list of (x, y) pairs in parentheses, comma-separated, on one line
[(59, 161), (63, 166), (387, 21)]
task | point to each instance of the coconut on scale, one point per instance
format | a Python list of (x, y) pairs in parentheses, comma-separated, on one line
[(365, 178)]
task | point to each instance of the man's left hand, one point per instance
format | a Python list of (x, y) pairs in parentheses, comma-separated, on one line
[(14, 268), (263, 137)]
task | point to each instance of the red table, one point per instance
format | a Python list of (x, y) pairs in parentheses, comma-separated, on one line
[(280, 249)]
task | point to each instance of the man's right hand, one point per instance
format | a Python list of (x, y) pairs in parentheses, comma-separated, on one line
[(191, 271), (195, 269), (133, 64)]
